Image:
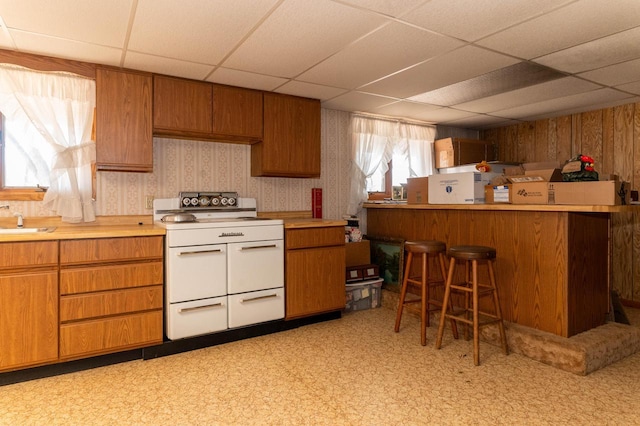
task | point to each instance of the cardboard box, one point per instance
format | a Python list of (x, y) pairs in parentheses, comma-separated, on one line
[(530, 193), (497, 194), (358, 253), (451, 152), (417, 190), (459, 188), (600, 193)]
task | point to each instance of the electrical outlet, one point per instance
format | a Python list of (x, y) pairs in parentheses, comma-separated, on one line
[(148, 202)]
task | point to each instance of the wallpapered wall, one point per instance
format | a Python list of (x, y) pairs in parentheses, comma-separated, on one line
[(181, 165)]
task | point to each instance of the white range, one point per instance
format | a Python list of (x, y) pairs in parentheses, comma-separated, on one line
[(223, 270)]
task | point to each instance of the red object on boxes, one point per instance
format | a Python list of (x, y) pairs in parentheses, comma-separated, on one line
[(316, 203)]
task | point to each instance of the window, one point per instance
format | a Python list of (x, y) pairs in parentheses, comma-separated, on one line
[(384, 154), (47, 140)]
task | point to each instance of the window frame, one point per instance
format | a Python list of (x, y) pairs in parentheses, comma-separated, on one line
[(40, 63), (388, 176)]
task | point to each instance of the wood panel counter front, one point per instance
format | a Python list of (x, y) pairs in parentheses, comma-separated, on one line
[(553, 266)]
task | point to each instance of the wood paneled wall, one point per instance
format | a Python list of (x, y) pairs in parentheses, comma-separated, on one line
[(611, 136)]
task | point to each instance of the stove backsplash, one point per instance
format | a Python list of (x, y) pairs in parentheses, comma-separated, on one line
[(181, 165)]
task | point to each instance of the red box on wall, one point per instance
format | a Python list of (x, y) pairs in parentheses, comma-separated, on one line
[(316, 203)]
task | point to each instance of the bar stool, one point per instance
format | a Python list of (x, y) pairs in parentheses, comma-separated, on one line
[(470, 287), (427, 248)]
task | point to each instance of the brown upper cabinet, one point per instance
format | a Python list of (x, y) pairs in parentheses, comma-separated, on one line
[(124, 140), (291, 141), (199, 110)]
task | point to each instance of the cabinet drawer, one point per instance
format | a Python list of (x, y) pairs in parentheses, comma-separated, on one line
[(109, 335), (23, 254), (84, 306), (314, 237), (110, 249), (84, 280)]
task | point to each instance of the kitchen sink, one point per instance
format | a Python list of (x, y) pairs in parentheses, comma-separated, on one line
[(7, 231)]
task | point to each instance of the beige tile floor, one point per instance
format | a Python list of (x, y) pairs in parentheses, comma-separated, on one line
[(351, 371)]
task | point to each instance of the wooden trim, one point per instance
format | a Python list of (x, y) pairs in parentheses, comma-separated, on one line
[(48, 63), (21, 194), (388, 177), (630, 303)]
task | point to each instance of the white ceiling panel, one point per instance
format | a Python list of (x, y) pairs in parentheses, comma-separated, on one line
[(572, 102), (452, 67), (386, 7), (599, 53), (410, 110), (160, 65), (67, 49), (528, 95), (195, 30), (631, 87), (396, 58), (393, 47), (576, 23), (309, 90), (615, 74), (89, 21), (473, 19), (246, 79), (357, 101), (299, 34)]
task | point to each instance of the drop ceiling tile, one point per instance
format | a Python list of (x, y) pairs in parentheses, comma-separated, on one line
[(582, 100), (599, 53), (160, 65), (299, 34), (308, 90), (452, 67), (197, 31), (67, 49), (246, 79), (5, 39), (631, 87), (357, 101), (386, 7), (408, 110), (481, 122), (540, 92), (391, 48), (615, 74), (576, 23), (89, 21), (471, 20)]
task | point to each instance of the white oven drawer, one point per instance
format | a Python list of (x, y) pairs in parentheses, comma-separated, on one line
[(195, 318), (255, 265), (256, 307), (196, 272)]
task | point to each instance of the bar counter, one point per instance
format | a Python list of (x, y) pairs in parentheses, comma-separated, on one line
[(553, 266)]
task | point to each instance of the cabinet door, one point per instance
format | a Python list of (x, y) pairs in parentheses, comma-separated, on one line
[(28, 319), (291, 142), (182, 106), (124, 139), (315, 281), (237, 111)]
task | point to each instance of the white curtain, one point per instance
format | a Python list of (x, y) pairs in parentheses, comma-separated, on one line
[(58, 109), (374, 142)]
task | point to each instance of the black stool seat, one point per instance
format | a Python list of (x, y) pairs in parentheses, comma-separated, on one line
[(472, 252)]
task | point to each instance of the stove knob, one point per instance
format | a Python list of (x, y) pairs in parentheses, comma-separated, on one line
[(204, 201), (224, 201), (186, 201), (215, 201), (194, 201), (232, 201)]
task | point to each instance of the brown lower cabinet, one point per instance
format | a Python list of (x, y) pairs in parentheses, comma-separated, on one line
[(28, 304), (110, 295), (314, 271)]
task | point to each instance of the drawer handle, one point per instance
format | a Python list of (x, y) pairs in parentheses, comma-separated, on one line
[(253, 299), (259, 247), (188, 253), (195, 308)]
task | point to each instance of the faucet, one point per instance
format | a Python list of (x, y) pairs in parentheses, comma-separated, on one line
[(6, 206), (19, 216)]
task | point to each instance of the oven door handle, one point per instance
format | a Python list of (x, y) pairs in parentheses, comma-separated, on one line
[(259, 247), (188, 253), (196, 308), (253, 299)]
